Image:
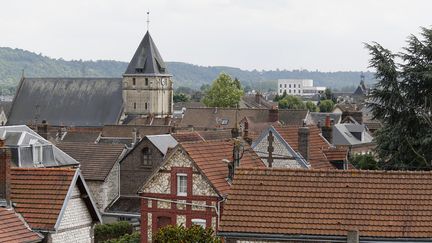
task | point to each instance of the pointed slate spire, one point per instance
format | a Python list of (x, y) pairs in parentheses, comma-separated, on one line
[(147, 59)]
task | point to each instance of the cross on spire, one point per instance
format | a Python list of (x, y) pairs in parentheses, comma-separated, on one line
[(148, 20)]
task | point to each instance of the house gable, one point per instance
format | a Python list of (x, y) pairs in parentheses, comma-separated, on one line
[(283, 155), (178, 162)]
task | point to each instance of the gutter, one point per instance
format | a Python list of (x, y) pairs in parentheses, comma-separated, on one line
[(316, 238)]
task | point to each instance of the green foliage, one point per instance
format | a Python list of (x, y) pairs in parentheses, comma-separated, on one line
[(326, 105), (180, 234), (115, 230), (135, 237), (224, 92), (402, 102), (292, 102), (311, 106), (180, 97), (364, 162)]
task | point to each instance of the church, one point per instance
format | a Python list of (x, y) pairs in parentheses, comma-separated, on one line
[(145, 91)]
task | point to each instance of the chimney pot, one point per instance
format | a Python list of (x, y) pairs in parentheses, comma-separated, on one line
[(303, 142)]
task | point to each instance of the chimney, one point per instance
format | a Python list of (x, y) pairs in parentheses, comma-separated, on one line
[(42, 129), (273, 115), (237, 155), (135, 135), (327, 130), (303, 141), (235, 132), (258, 98), (5, 187), (246, 132), (353, 236)]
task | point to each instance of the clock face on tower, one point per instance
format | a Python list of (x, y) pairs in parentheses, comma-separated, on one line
[(163, 82)]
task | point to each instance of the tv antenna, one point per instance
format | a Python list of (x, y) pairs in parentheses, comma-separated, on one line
[(148, 20)]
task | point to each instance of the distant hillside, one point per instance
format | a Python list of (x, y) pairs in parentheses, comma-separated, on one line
[(13, 61)]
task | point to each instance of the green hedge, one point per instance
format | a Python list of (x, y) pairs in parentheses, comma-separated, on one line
[(135, 237), (104, 232), (180, 234)]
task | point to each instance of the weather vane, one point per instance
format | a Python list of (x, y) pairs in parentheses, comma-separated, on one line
[(148, 20)]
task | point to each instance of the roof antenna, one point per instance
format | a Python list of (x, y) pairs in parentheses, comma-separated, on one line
[(148, 20)]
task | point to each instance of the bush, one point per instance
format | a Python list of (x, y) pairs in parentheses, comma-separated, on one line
[(180, 234), (135, 237), (364, 162), (115, 230)]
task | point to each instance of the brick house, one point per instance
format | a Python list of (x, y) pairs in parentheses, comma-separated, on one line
[(295, 205), (298, 147), (54, 202), (99, 164), (190, 186), (135, 167)]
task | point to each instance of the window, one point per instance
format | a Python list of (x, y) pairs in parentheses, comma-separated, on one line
[(289, 91), (133, 81), (37, 153), (224, 122), (134, 105), (294, 91), (146, 159), (294, 85), (200, 222), (146, 81), (285, 85), (181, 184), (139, 70), (145, 105), (290, 85), (280, 85), (280, 91)]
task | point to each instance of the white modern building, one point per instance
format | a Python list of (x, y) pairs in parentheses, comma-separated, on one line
[(301, 87)]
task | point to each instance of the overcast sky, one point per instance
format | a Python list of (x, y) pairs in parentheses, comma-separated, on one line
[(249, 34)]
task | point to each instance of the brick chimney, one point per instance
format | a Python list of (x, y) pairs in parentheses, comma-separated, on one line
[(303, 141), (327, 130), (246, 132), (273, 115), (42, 129), (5, 163)]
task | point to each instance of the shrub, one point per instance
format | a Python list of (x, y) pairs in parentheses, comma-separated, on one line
[(180, 234), (115, 230), (135, 237)]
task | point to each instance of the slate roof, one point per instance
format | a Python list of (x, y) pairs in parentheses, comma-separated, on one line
[(287, 202), (96, 160), (67, 101), (224, 118), (320, 117), (13, 228), (39, 195), (5, 105), (162, 142), (147, 59), (342, 134), (125, 204), (317, 143), (195, 136), (125, 131), (208, 155)]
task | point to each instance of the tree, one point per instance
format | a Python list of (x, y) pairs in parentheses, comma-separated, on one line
[(237, 83), (104, 232), (328, 95), (291, 102), (180, 97), (401, 100), (311, 106), (364, 162), (326, 105), (176, 233), (224, 92)]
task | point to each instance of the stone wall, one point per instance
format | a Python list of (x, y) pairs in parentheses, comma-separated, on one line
[(104, 192), (76, 224)]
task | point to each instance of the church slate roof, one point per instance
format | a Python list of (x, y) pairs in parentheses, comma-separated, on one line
[(67, 101), (147, 59)]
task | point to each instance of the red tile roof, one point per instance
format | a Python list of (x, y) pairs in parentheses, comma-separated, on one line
[(330, 202), (38, 194), (96, 160), (209, 155), (317, 143), (336, 154), (14, 230), (187, 137)]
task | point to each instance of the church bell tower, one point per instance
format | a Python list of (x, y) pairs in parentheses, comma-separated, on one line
[(147, 86)]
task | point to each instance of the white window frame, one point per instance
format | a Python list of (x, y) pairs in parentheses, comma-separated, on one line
[(200, 222), (37, 152), (179, 191)]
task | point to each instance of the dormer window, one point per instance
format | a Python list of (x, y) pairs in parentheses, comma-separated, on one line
[(139, 70), (37, 151)]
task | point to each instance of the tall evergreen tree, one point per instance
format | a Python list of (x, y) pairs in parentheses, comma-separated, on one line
[(402, 102)]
